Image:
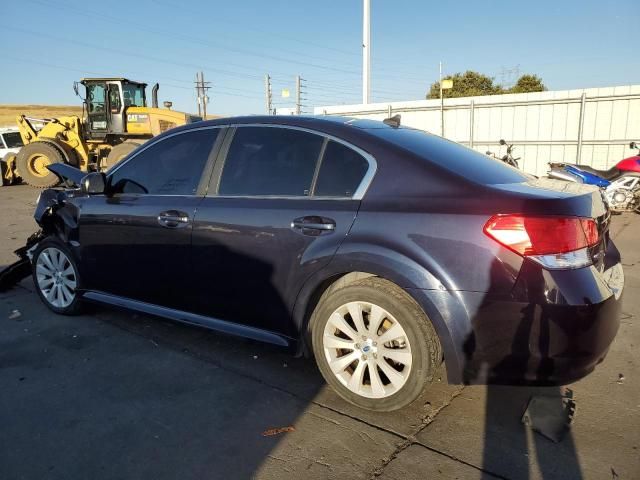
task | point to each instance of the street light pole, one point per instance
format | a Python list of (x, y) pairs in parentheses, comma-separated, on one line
[(441, 105), (366, 51)]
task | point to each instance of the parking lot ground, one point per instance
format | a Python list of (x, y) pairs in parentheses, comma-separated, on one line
[(112, 394)]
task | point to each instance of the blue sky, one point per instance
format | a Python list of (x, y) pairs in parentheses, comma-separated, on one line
[(51, 43)]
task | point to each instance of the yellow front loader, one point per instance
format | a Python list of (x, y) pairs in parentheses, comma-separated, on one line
[(115, 121)]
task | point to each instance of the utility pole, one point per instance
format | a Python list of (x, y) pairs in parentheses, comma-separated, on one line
[(299, 81), (441, 105), (197, 82), (366, 51), (267, 93), (201, 94)]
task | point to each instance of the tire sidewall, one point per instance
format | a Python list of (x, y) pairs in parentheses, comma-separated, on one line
[(22, 158), (413, 321), (75, 306)]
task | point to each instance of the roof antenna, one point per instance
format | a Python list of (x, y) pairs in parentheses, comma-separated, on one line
[(393, 121)]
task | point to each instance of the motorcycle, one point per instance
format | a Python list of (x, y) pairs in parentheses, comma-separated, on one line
[(620, 184), (508, 158)]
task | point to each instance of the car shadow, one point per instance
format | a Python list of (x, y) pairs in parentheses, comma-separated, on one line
[(511, 448)]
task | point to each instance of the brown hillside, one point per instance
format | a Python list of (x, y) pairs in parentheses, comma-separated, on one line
[(8, 113)]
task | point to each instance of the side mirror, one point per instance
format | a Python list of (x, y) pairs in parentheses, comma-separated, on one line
[(633, 145), (502, 142), (93, 183)]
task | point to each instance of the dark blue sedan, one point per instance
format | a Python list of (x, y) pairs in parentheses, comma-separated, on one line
[(382, 251)]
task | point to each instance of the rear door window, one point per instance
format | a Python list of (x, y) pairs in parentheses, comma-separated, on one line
[(341, 171), (172, 166), (270, 161)]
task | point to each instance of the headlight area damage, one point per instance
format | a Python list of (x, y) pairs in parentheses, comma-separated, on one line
[(55, 216)]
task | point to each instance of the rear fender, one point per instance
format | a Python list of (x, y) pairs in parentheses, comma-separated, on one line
[(440, 305)]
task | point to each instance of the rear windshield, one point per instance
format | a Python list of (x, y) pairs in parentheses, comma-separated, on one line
[(452, 156)]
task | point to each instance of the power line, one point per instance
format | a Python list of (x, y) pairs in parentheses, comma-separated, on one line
[(194, 39), (106, 74)]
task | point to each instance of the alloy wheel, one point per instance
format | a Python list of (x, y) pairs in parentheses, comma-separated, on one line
[(367, 349), (56, 276)]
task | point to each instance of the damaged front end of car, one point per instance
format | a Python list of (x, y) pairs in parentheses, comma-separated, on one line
[(54, 215)]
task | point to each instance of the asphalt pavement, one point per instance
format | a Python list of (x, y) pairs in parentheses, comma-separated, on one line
[(116, 395)]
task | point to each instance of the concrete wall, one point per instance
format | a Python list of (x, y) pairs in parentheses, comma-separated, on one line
[(546, 126)]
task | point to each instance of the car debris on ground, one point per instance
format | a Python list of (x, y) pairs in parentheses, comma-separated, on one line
[(551, 415)]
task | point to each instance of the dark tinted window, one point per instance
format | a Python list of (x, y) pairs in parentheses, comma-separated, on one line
[(341, 171), (170, 167), (12, 139), (453, 156), (270, 161)]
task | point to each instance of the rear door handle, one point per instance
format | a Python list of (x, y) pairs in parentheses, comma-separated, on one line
[(314, 225), (173, 219)]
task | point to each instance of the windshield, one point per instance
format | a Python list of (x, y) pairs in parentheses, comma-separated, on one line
[(133, 95), (12, 139)]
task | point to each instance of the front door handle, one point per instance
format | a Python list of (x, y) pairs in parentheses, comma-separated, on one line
[(314, 225), (173, 219)]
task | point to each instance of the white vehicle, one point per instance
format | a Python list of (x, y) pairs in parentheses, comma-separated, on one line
[(10, 142)]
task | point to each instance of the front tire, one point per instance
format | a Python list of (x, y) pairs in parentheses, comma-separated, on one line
[(374, 345), (56, 277), (32, 161)]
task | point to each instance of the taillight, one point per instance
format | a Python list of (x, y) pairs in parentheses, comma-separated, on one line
[(554, 242)]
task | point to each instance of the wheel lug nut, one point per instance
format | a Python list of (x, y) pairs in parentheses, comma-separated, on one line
[(375, 344), (364, 357), (358, 346)]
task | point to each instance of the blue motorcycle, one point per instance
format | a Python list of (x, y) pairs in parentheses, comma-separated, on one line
[(620, 184)]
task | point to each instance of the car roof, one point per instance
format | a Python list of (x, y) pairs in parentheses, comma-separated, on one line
[(301, 121)]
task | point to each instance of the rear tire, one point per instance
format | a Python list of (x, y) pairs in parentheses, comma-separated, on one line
[(32, 161), (383, 359), (56, 277), (119, 152)]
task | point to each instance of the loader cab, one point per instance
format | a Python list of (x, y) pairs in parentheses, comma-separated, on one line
[(107, 100)]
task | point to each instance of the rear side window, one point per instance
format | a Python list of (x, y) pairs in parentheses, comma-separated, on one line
[(270, 161), (341, 171), (452, 156), (172, 166)]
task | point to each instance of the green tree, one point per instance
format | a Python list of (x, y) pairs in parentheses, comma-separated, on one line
[(528, 83), (471, 84), (467, 84)]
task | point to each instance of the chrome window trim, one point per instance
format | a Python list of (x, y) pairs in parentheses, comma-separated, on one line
[(357, 195), (151, 143)]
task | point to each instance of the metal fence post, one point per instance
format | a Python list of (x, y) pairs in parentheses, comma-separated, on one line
[(583, 101), (389, 111), (471, 122)]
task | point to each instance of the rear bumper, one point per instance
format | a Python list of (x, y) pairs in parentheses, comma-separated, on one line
[(553, 340)]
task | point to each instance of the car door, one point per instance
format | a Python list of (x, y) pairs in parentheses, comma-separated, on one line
[(272, 217), (135, 241)]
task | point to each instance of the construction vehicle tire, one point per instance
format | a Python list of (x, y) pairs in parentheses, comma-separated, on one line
[(32, 161), (118, 152)]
